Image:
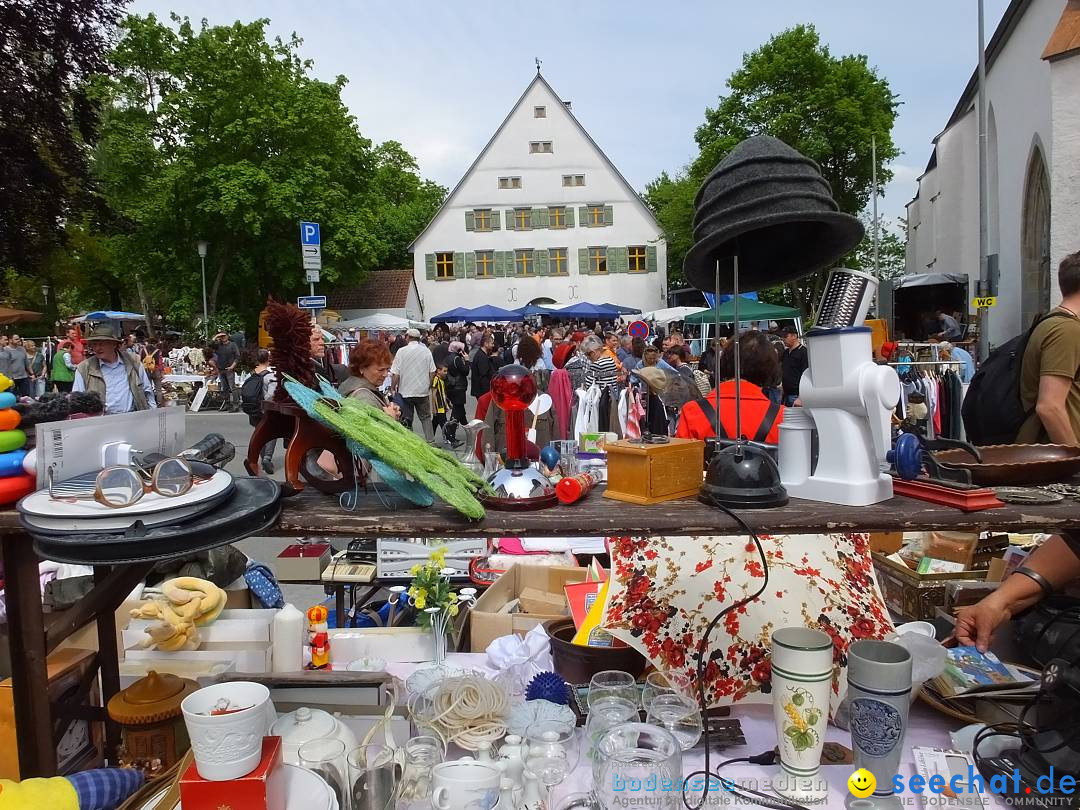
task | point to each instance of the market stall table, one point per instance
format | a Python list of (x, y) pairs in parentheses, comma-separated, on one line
[(311, 514)]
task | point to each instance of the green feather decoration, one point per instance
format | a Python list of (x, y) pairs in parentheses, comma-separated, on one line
[(400, 448)]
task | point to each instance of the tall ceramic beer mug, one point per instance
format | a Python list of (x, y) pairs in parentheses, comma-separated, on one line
[(802, 671), (879, 691)]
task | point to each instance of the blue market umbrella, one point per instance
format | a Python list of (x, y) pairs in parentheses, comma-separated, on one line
[(490, 313), (533, 309), (587, 311), (451, 315), (112, 315), (623, 310)]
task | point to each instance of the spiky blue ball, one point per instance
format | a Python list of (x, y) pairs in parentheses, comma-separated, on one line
[(548, 686)]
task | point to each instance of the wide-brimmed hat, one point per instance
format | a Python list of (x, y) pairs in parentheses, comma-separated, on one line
[(102, 332), (656, 378), (771, 206)]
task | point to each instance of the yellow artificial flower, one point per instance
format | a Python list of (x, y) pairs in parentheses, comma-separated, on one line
[(421, 598), (453, 609), (438, 556), (416, 569)]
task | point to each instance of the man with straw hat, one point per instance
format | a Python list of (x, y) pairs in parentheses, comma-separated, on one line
[(118, 377)]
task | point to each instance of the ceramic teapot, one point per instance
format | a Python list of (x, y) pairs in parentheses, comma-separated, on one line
[(304, 725)]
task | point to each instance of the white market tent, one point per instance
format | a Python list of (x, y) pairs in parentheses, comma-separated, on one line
[(382, 322), (669, 315)]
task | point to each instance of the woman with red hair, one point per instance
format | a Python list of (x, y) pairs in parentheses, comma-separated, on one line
[(369, 363)]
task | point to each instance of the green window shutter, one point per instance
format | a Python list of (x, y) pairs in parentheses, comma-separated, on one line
[(650, 259), (582, 261), (569, 216), (470, 221), (470, 265), (608, 215), (495, 223), (429, 266), (613, 260), (541, 259), (544, 218), (510, 219), (459, 265), (583, 216), (500, 263), (623, 260)]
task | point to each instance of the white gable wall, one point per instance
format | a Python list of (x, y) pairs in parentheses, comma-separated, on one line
[(541, 186)]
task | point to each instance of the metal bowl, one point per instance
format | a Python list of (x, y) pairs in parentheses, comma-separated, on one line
[(1017, 464)]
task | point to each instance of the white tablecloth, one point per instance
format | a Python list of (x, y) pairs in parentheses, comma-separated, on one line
[(925, 728)]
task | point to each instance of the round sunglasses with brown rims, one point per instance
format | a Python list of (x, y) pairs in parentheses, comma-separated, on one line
[(117, 487)]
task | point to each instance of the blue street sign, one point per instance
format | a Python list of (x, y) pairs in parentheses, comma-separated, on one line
[(311, 302), (309, 233)]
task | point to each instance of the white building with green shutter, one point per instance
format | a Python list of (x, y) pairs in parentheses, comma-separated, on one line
[(542, 215)]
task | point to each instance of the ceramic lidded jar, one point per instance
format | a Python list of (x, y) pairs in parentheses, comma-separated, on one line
[(155, 737), (802, 673), (304, 725)]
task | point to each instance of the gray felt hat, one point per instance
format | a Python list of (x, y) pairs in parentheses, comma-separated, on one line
[(771, 205)]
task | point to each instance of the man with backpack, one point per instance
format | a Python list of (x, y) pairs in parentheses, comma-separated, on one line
[(256, 388), (1050, 377), (1028, 390)]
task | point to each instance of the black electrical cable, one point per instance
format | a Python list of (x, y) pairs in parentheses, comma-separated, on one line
[(768, 758)]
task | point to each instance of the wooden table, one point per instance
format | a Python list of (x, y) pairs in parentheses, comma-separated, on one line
[(310, 513)]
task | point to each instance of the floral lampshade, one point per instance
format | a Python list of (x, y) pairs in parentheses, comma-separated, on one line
[(666, 590)]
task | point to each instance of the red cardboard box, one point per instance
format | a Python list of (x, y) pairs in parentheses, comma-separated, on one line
[(262, 789)]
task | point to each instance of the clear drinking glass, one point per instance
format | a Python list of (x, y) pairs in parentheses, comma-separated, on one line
[(641, 761), (606, 714), (567, 455), (613, 683), (326, 757), (656, 683), (373, 778), (677, 714), (553, 751), (421, 754)]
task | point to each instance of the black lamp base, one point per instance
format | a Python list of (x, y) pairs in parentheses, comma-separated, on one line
[(743, 476)]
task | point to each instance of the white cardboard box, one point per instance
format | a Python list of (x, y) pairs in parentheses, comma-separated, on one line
[(247, 656), (231, 625), (392, 644)]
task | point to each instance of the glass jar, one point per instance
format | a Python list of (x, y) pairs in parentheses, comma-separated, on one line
[(421, 755), (642, 761)]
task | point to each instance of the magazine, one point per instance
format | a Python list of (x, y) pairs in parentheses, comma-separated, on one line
[(970, 672)]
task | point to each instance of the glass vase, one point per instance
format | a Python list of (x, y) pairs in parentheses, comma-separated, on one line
[(440, 621)]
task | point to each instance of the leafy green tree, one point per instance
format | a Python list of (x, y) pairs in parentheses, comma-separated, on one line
[(49, 52), (217, 133), (827, 107), (892, 249)]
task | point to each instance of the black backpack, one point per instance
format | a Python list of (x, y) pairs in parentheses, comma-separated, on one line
[(993, 411), (251, 394)]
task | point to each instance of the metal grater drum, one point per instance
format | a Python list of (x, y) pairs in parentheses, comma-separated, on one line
[(846, 300)]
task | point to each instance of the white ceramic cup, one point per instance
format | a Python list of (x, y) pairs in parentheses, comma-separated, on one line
[(465, 785), (227, 746)]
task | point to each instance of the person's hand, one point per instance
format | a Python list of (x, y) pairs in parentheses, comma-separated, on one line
[(976, 624), (393, 410)]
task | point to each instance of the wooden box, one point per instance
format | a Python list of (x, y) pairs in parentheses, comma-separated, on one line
[(913, 596), (653, 473)]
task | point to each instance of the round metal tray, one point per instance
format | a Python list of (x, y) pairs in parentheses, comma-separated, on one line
[(1017, 464)]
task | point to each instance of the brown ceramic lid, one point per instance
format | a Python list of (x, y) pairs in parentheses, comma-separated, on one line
[(150, 699)]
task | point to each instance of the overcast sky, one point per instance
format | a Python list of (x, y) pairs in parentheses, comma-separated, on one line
[(440, 76)]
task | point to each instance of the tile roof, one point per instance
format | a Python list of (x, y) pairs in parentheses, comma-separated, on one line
[(1066, 37), (381, 290)]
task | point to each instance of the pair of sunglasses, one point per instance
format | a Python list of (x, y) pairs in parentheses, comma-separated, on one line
[(120, 486)]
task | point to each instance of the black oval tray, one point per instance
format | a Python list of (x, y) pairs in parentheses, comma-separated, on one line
[(254, 507)]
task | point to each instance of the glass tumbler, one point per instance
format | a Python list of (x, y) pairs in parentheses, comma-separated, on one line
[(656, 683), (373, 778), (606, 714), (326, 757), (640, 762), (677, 714), (420, 755), (613, 683)]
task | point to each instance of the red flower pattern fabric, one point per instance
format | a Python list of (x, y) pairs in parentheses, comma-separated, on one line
[(665, 591)]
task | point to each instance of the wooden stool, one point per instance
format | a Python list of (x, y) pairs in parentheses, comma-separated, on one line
[(305, 439)]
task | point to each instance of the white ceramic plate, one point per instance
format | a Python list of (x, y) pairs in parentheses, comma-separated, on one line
[(118, 524), (40, 505), (304, 791), (425, 677), (528, 712)]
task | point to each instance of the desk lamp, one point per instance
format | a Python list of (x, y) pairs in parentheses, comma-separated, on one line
[(518, 485), (764, 216)]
